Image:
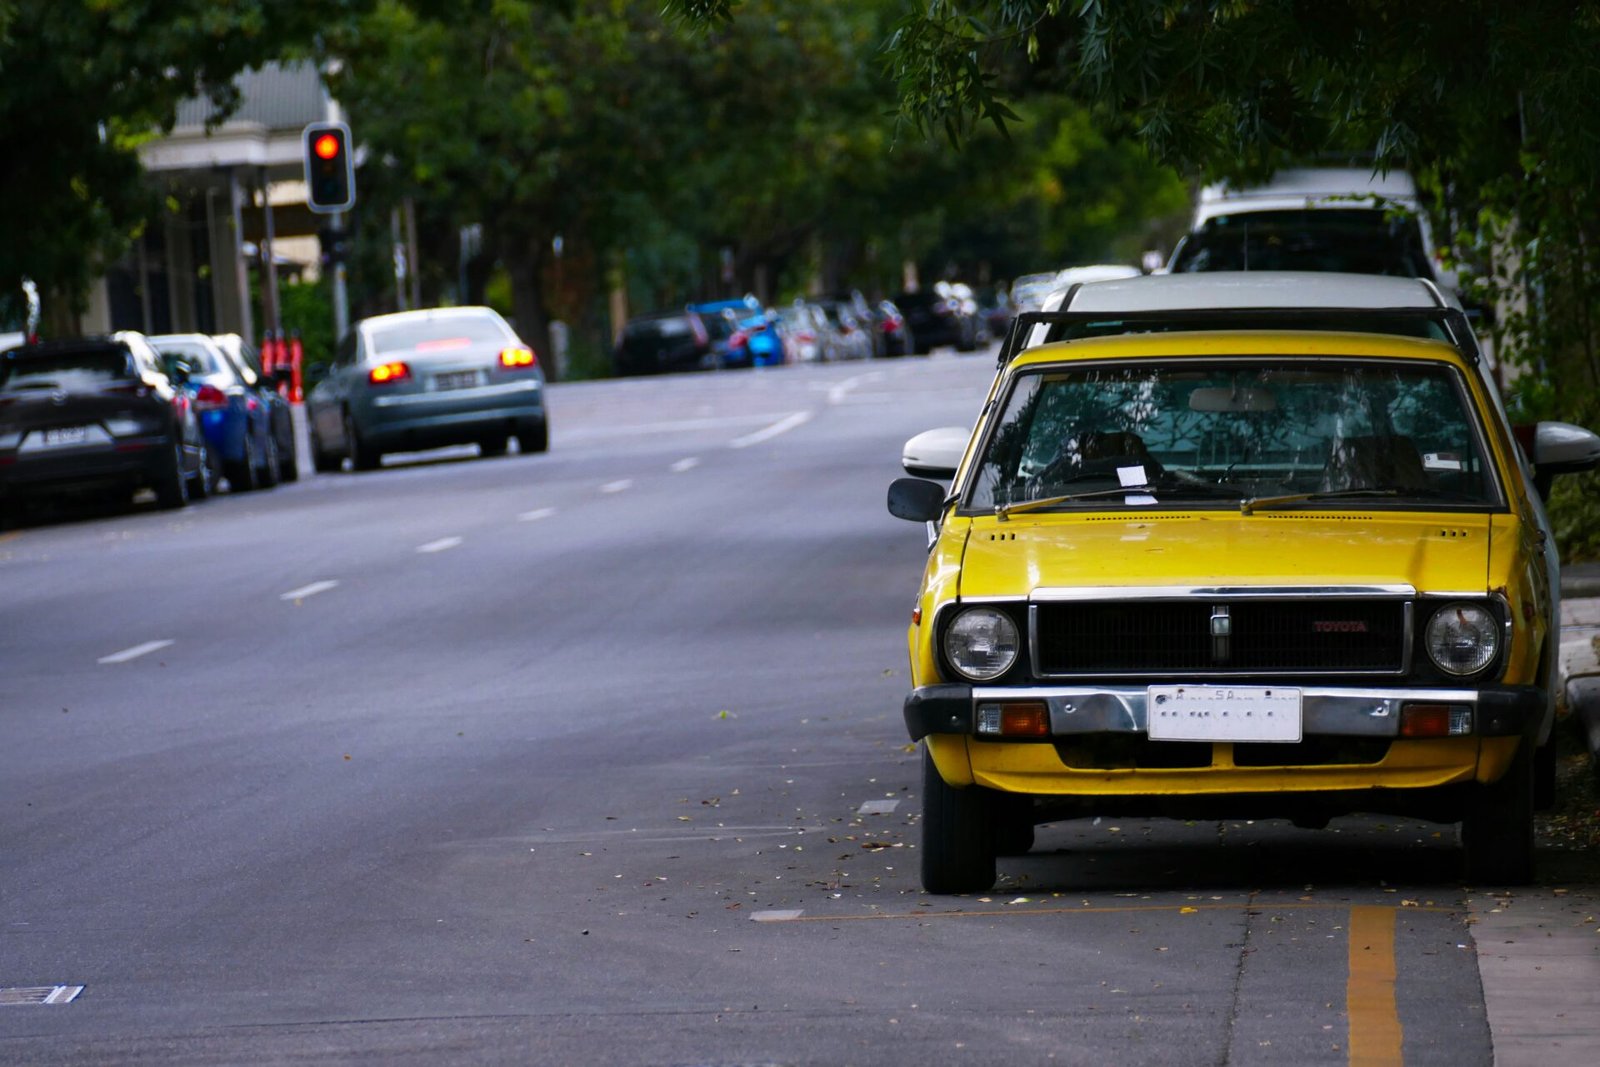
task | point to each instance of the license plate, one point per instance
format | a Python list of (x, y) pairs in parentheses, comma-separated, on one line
[(1223, 713), (61, 436), (460, 379)]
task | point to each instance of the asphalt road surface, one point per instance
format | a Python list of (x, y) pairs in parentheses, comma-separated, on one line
[(596, 757)]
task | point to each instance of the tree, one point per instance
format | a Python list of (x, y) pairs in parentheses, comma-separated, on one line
[(82, 84)]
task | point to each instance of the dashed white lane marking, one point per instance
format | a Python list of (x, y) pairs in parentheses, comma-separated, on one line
[(688, 464), (135, 652), (777, 915), (536, 514), (837, 394), (441, 545), (878, 807), (617, 486), (784, 425), (308, 590)]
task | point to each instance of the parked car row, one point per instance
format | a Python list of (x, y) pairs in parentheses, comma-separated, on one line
[(99, 416), (244, 417)]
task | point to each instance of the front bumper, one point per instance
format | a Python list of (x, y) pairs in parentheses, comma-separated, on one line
[(1328, 711)]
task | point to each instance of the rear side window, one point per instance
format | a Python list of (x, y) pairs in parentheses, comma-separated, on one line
[(439, 335), (70, 369)]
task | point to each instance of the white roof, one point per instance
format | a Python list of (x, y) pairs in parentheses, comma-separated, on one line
[(1328, 187), (1252, 289)]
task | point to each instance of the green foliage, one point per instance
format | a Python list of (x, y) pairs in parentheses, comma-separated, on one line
[(307, 309), (82, 82)]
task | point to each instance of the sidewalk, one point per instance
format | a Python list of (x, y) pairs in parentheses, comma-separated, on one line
[(1539, 948)]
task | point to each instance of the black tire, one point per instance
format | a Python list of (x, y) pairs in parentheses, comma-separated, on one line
[(172, 485), (533, 437), (1497, 831), (958, 847), (362, 455), (1013, 824), (288, 463), (322, 461), (268, 475), (493, 445), (1544, 776), (242, 474), (203, 481)]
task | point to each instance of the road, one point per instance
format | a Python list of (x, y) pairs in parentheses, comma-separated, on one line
[(597, 757)]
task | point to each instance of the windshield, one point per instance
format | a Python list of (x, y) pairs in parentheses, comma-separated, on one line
[(441, 334), (1232, 431), (1355, 241)]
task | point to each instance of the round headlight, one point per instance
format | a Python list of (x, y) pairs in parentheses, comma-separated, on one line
[(1463, 638), (981, 643)]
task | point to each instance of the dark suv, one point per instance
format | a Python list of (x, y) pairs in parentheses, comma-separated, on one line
[(666, 341), (97, 414)]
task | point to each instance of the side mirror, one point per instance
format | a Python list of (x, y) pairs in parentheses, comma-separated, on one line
[(935, 453), (314, 372), (916, 499), (1562, 448)]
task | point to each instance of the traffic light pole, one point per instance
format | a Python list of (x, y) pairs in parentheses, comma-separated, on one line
[(341, 295)]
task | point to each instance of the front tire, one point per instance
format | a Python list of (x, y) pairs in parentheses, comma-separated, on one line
[(1497, 831), (958, 847)]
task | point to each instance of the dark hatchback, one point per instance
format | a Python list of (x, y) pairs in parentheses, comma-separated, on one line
[(97, 415), (664, 342), (936, 320)]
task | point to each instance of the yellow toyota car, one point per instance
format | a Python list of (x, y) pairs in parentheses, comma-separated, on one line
[(1236, 546)]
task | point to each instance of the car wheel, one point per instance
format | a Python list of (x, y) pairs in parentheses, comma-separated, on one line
[(323, 461), (288, 463), (1497, 831), (1013, 824), (362, 455), (204, 479), (958, 846), (242, 474), (533, 436), (493, 445), (172, 485), (269, 470)]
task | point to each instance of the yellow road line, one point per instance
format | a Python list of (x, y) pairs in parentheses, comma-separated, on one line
[(1375, 1033)]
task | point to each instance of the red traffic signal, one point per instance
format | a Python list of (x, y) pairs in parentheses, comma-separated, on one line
[(330, 173)]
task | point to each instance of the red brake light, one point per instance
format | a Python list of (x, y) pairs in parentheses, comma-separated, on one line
[(518, 357), (389, 373), (209, 396)]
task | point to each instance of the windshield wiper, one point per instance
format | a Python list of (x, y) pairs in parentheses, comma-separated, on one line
[(1005, 511), (1248, 506)]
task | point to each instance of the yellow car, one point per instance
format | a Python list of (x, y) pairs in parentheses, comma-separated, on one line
[(1236, 545)]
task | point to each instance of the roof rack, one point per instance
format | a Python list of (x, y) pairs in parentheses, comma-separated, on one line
[(1070, 325)]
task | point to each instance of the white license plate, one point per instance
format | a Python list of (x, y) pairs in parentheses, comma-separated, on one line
[(1223, 713), (461, 379), (62, 436)]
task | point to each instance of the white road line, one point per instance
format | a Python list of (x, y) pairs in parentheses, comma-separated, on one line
[(617, 486), (837, 394), (784, 425), (878, 807), (777, 915), (135, 652), (678, 426), (688, 464), (441, 545), (307, 590), (536, 514)]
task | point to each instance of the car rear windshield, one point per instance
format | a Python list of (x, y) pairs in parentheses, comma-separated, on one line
[(80, 368), (1195, 432), (439, 335), (1355, 241)]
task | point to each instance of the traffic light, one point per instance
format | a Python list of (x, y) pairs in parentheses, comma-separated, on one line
[(330, 175)]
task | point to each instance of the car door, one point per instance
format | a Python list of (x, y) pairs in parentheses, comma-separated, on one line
[(327, 398)]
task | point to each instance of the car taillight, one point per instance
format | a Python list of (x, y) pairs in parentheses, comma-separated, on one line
[(738, 339), (891, 325), (209, 396), (389, 373), (518, 357)]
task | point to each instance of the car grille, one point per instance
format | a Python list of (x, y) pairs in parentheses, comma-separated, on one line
[(1276, 636)]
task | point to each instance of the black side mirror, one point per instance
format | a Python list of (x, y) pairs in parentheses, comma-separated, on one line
[(916, 499)]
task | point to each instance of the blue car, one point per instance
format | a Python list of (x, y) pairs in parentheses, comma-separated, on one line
[(236, 421), (742, 334)]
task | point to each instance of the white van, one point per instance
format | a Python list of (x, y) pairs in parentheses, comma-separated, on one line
[(1345, 219)]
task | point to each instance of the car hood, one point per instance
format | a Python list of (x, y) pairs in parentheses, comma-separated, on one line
[(1026, 554)]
